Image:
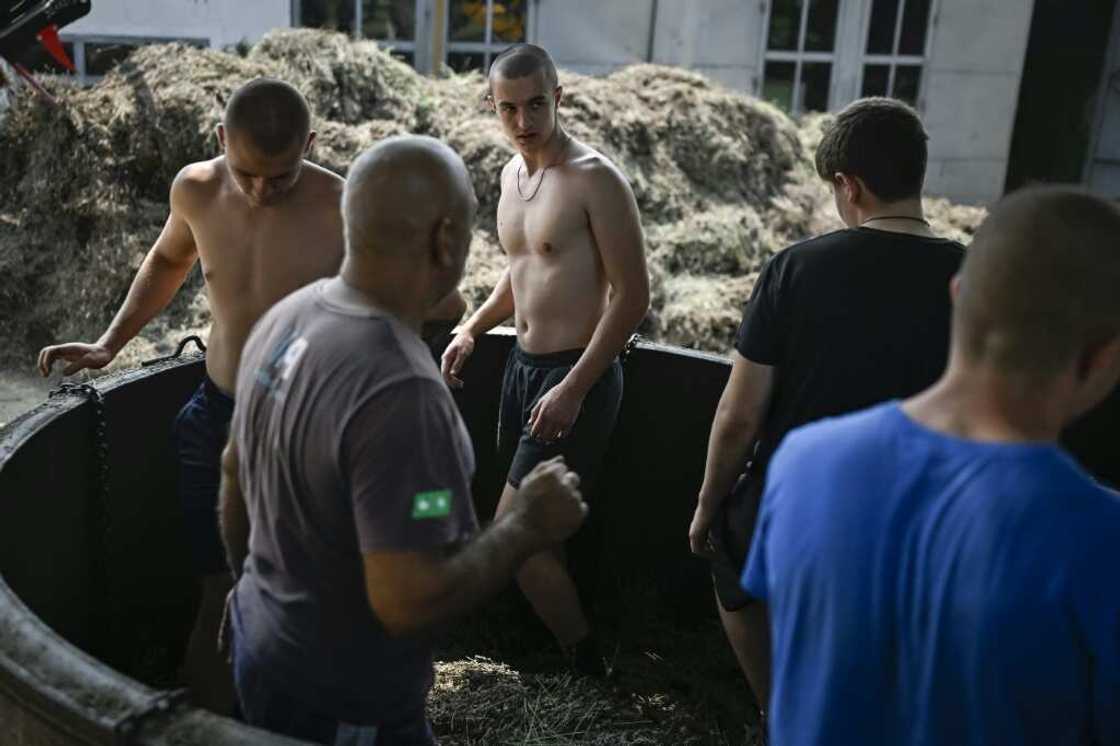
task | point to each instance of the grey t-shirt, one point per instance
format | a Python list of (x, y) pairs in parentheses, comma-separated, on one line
[(349, 442)]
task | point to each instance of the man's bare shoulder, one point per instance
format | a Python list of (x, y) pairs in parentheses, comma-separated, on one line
[(323, 178), (597, 172), (322, 187), (197, 183), (510, 167)]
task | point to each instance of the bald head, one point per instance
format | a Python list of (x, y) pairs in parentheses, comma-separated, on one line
[(270, 114), (522, 60), (404, 193), (1040, 281)]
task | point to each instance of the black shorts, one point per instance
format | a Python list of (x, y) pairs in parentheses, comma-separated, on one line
[(731, 533), (527, 379), (201, 431)]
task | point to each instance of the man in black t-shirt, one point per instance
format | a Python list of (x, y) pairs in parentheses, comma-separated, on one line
[(834, 324)]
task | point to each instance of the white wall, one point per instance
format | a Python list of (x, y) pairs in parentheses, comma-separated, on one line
[(719, 38), (592, 36), (969, 98), (221, 22), (971, 76), (971, 93)]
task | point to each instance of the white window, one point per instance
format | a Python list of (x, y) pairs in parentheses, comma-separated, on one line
[(477, 30), (800, 54), (473, 31), (821, 54), (894, 53), (392, 23)]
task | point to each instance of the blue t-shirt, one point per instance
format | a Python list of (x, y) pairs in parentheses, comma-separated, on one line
[(925, 589)]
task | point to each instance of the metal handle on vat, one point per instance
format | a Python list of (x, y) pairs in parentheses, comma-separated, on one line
[(179, 351)]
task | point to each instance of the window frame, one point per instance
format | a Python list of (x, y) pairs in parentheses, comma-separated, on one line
[(82, 78), (393, 44), (800, 56), (895, 60), (849, 53), (426, 48), (488, 48)]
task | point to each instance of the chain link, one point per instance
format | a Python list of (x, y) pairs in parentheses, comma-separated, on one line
[(99, 523), (100, 448), (631, 345)]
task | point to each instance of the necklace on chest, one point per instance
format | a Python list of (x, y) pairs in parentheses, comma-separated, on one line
[(540, 177)]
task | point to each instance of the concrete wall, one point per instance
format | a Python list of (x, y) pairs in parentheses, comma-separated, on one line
[(971, 93), (971, 77), (221, 22), (719, 38), (591, 36)]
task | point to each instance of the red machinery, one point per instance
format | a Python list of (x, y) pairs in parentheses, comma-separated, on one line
[(24, 23)]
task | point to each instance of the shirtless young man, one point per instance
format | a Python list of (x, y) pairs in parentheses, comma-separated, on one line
[(577, 287), (263, 222)]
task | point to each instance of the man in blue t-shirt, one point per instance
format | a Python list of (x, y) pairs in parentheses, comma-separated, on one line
[(939, 571)]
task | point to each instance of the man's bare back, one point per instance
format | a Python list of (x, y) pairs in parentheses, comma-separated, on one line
[(252, 256)]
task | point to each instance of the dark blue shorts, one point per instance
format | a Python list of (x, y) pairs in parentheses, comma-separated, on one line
[(266, 704), (201, 430), (527, 378)]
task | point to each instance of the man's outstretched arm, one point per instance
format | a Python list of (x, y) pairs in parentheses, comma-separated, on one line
[(497, 308), (162, 274), (613, 215), (411, 592)]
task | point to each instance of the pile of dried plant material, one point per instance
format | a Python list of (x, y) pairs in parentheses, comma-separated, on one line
[(501, 679), (722, 180), (478, 701)]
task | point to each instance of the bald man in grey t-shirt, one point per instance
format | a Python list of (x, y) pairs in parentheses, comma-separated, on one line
[(345, 503), (359, 448)]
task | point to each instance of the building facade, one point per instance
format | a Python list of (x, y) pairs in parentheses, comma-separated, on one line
[(114, 28), (960, 62)]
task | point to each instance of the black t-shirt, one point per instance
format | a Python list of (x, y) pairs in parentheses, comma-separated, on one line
[(848, 319)]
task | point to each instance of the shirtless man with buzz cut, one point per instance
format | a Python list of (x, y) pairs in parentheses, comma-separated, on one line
[(577, 287), (263, 222)]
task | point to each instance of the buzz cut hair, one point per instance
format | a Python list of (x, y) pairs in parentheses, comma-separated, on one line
[(521, 60), (270, 113), (1039, 281)]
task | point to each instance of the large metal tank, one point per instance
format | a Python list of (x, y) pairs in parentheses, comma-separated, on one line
[(94, 588)]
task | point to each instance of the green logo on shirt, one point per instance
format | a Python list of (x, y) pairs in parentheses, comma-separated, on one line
[(433, 504)]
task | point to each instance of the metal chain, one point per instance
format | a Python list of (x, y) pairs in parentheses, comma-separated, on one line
[(100, 525), (631, 345), (100, 446)]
